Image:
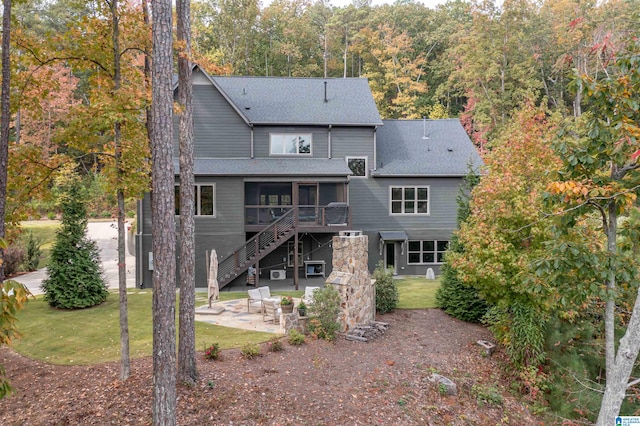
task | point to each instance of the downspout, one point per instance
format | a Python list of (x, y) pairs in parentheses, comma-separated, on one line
[(375, 148), (138, 246), (252, 148), (329, 141)]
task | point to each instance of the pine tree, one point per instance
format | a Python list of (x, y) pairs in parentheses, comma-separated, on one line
[(454, 297), (75, 277)]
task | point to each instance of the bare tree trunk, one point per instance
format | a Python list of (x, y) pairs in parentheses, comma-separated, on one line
[(619, 365), (162, 215), (187, 372), (125, 365), (4, 124)]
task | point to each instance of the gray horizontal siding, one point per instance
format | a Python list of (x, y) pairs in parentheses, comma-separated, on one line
[(218, 130), (356, 141), (369, 200)]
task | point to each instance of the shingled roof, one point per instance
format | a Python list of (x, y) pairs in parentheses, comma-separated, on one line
[(425, 148), (269, 167), (301, 101)]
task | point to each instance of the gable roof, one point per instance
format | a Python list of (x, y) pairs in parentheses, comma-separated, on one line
[(447, 151), (301, 101)]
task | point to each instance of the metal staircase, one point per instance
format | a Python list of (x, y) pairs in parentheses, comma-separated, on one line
[(257, 247)]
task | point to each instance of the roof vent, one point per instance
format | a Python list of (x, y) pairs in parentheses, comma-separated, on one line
[(244, 91), (424, 128), (450, 149), (325, 92)]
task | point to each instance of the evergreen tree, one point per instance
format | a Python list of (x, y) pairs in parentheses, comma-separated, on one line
[(454, 297), (75, 277)]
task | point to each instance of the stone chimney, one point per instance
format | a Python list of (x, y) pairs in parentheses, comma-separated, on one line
[(351, 278)]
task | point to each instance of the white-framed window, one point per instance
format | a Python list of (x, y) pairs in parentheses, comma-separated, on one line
[(205, 200), (290, 143), (409, 200), (426, 251), (358, 166)]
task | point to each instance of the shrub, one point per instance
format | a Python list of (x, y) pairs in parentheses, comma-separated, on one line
[(33, 252), (131, 214), (324, 313), (275, 345), (250, 351), (212, 352), (454, 297), (296, 338), (75, 279), (13, 257), (51, 215), (386, 289)]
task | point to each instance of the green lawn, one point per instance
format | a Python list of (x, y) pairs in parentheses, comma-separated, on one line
[(417, 292), (88, 336), (45, 230)]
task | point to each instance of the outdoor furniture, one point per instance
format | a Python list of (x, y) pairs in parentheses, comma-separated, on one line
[(257, 297), (272, 311), (308, 295), (254, 300)]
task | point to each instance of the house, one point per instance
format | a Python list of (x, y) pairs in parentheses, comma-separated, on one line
[(284, 164)]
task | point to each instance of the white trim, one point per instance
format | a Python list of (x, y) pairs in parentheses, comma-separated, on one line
[(403, 187), (296, 154), (366, 165)]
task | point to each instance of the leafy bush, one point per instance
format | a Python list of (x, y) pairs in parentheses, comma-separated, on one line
[(250, 350), (386, 289), (275, 345), (212, 352), (13, 257), (33, 251), (75, 278), (520, 329), (486, 395), (323, 323), (51, 215), (296, 338)]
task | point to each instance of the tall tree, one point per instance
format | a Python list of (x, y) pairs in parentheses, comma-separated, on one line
[(125, 367), (163, 215), (5, 108), (601, 178), (504, 234), (187, 372)]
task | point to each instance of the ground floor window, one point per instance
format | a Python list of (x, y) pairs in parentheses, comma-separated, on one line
[(204, 200), (427, 251)]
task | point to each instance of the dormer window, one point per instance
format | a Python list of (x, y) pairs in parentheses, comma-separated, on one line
[(290, 144)]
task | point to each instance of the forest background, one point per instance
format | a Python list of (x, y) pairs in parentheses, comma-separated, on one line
[(517, 75)]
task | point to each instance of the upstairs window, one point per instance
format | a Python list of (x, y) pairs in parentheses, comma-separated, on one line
[(290, 144), (204, 200), (358, 166), (409, 200)]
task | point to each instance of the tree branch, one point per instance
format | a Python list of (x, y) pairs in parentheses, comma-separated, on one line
[(633, 383)]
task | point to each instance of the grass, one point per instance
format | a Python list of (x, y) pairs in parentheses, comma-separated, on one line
[(89, 336), (45, 230), (417, 292)]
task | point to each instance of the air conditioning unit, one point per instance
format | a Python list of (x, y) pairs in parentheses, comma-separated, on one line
[(278, 274)]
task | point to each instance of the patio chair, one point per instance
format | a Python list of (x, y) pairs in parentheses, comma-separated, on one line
[(271, 312), (254, 300), (308, 295)]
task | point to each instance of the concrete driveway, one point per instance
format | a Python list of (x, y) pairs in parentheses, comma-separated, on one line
[(105, 234)]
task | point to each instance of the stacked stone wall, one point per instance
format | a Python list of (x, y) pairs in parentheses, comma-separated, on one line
[(351, 278)]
